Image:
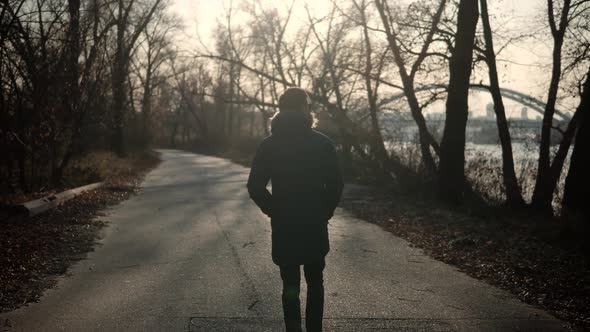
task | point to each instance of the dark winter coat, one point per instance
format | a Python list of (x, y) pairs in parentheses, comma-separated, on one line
[(302, 166)]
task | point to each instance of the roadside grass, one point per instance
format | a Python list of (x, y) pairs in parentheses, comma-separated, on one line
[(37, 250)]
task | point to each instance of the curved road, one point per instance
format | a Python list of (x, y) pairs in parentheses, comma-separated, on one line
[(191, 252)]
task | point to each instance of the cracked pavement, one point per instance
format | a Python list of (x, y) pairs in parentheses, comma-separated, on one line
[(191, 252)]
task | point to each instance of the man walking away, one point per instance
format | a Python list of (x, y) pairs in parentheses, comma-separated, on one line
[(302, 166)]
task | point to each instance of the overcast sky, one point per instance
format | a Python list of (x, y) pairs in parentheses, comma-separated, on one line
[(523, 66)]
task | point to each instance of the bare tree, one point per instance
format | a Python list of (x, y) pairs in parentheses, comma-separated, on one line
[(128, 32), (32, 60), (54, 62), (452, 149), (549, 170), (543, 192), (408, 76), (192, 90), (155, 50), (85, 77), (512, 189), (578, 56), (577, 184)]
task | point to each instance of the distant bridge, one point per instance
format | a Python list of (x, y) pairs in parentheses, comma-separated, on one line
[(522, 98)]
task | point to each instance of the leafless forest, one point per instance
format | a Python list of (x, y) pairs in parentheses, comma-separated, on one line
[(79, 76)]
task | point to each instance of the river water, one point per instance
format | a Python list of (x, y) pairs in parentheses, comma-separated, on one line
[(483, 167)]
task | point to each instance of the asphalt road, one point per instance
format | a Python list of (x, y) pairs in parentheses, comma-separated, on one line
[(191, 252)]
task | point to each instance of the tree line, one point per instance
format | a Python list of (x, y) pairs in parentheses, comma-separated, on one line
[(70, 73), (351, 58), (78, 75)]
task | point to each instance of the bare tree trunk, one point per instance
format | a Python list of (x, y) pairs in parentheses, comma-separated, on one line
[(266, 123), (346, 153), (173, 132), (221, 109), (559, 160), (264, 116), (72, 96), (230, 118), (22, 175), (512, 189), (452, 156), (577, 182), (543, 192), (124, 45), (118, 84), (146, 105)]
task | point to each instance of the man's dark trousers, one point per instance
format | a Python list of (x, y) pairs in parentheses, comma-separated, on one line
[(314, 311)]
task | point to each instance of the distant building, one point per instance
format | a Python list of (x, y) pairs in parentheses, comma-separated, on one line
[(490, 114), (524, 113)]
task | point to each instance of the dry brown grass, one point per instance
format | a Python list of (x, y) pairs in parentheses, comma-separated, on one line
[(529, 256)]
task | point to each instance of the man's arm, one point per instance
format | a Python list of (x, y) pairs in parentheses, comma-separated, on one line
[(334, 182), (258, 179)]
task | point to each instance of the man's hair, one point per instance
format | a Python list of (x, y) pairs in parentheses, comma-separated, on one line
[(294, 99), (294, 110)]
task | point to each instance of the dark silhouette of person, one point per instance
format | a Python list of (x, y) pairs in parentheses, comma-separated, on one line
[(303, 168)]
